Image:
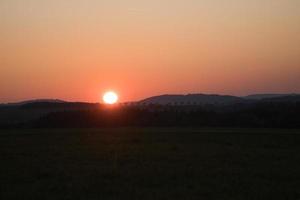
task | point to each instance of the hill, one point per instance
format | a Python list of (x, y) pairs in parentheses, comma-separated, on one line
[(166, 110), (192, 99), (267, 96), (287, 99), (33, 101)]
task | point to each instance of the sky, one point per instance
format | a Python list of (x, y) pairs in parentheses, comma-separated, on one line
[(76, 50)]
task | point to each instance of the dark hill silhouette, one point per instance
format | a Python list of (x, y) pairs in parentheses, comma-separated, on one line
[(15, 113), (266, 96), (192, 99), (288, 99), (165, 110), (33, 101), (258, 114)]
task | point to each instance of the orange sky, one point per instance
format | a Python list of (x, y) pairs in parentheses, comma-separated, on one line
[(75, 50)]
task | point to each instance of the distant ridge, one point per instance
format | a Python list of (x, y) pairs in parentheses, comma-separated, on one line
[(267, 96), (289, 98), (178, 99), (34, 101), (192, 99), (196, 109), (215, 99)]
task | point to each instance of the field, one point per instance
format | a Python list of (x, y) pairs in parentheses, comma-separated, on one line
[(150, 163)]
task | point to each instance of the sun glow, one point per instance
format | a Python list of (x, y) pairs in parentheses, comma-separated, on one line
[(110, 97)]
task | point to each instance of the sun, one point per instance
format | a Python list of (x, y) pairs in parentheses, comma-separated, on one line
[(110, 97)]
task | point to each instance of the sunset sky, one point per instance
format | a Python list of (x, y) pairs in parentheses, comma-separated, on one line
[(77, 49)]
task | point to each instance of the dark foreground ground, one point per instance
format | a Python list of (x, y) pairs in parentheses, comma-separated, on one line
[(150, 164)]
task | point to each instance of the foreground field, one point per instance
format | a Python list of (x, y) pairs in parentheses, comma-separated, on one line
[(150, 164)]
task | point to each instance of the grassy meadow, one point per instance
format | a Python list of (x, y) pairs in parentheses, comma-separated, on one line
[(150, 163)]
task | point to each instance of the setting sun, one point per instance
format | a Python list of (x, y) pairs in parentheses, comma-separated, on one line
[(110, 97)]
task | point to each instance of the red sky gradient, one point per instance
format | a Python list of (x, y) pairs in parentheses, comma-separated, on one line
[(76, 50)]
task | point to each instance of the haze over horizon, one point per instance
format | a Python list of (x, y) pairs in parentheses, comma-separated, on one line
[(76, 50)]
